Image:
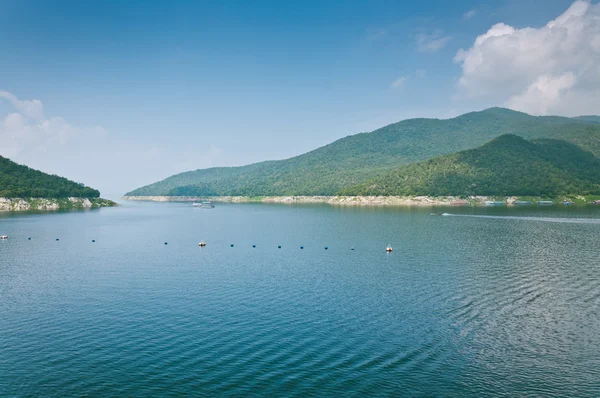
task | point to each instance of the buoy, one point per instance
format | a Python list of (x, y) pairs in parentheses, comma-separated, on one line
[(253, 245), (352, 249), (301, 247), (93, 240), (165, 243), (231, 245), (326, 248), (202, 243), (28, 238), (279, 247), (388, 249), (56, 238)]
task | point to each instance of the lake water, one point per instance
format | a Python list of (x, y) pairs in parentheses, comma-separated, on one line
[(485, 302)]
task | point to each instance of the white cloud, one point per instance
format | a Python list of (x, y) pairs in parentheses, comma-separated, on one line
[(469, 14), (399, 82), (542, 94), (554, 69), (430, 43), (89, 154), (32, 109)]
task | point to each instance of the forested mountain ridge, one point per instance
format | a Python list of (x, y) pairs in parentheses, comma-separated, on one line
[(358, 158), (18, 181), (507, 166)]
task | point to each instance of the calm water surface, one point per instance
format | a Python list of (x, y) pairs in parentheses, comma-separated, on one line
[(485, 302)]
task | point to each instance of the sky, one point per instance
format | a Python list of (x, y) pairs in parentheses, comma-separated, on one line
[(121, 94)]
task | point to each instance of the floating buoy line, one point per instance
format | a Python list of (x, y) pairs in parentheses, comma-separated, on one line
[(202, 243)]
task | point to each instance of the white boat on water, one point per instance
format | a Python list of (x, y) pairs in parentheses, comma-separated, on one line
[(3, 237), (203, 205)]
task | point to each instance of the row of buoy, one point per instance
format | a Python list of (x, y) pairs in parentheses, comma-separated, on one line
[(4, 237), (203, 244)]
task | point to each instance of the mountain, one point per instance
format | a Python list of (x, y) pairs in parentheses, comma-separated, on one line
[(588, 118), (18, 181), (508, 165), (359, 158)]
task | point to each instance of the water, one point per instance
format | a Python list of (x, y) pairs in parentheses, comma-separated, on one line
[(465, 305)]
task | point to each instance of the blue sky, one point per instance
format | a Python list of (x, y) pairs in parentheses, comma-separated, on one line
[(156, 88)]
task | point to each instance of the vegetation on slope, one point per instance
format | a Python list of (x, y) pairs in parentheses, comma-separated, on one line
[(508, 165), (588, 118), (359, 158), (17, 181)]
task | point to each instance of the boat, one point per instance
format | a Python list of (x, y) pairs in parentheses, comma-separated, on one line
[(493, 203), (545, 202), (203, 205), (3, 237), (388, 248), (568, 203), (202, 243), (523, 203)]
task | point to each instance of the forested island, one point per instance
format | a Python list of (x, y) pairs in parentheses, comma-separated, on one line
[(495, 152), (23, 188)]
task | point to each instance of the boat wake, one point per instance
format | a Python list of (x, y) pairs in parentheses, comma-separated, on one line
[(544, 219)]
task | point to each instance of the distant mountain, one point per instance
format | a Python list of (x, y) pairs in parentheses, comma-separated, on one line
[(18, 181), (508, 165), (359, 158), (588, 118)]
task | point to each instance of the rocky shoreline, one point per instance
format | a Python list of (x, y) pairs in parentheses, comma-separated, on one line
[(342, 200), (49, 204)]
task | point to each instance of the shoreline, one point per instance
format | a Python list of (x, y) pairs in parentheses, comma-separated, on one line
[(52, 204), (423, 201)]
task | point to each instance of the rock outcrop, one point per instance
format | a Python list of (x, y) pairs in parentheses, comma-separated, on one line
[(45, 204)]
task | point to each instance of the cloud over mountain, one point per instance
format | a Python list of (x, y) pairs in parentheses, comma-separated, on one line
[(554, 69)]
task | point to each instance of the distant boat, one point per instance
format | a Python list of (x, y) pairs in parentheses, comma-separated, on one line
[(523, 203), (493, 203), (545, 202), (203, 205), (3, 237), (568, 203)]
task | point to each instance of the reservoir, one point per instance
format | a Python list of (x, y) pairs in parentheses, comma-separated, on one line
[(484, 301)]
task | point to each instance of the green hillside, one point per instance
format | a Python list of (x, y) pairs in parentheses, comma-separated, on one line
[(588, 118), (358, 158), (508, 165), (17, 181)]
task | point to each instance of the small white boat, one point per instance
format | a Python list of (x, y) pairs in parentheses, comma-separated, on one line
[(3, 237), (203, 205), (202, 243), (388, 248)]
